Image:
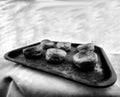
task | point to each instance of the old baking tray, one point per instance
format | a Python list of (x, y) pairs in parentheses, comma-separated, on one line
[(69, 70)]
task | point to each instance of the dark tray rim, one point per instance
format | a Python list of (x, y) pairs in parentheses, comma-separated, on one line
[(110, 81)]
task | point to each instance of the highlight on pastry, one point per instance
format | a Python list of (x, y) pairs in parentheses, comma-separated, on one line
[(55, 55), (33, 52), (47, 44), (86, 47), (86, 61), (64, 45)]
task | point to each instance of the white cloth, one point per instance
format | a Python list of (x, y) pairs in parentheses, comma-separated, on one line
[(25, 22)]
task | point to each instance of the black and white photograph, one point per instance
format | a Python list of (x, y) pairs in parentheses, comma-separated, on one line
[(59, 48)]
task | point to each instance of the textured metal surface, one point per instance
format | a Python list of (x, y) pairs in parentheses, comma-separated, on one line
[(67, 69)]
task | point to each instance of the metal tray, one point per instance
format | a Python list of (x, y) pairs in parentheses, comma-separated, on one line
[(67, 69)]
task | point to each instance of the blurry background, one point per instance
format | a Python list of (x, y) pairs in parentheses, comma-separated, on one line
[(23, 22)]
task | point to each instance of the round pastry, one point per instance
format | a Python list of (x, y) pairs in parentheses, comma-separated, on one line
[(33, 52), (55, 55), (47, 43), (85, 60), (64, 45), (87, 47)]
